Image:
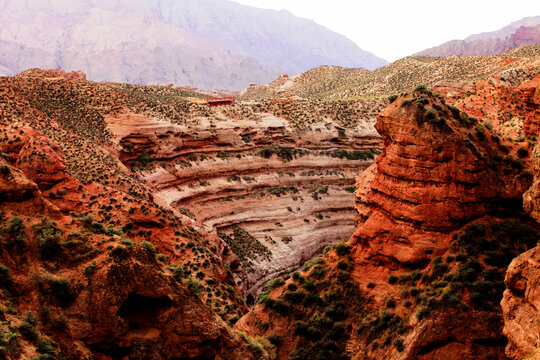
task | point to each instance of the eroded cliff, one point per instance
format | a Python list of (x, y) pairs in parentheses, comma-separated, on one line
[(422, 276)]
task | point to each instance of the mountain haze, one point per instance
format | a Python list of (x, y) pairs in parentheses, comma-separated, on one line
[(207, 44), (522, 32), (273, 37)]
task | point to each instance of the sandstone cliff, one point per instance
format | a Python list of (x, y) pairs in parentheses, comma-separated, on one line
[(83, 286), (422, 276)]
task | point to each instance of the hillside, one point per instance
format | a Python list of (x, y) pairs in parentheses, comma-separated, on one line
[(400, 76)]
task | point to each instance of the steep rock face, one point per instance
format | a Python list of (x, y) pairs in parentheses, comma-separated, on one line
[(289, 188), (432, 178), (530, 93), (416, 280), (520, 306), (531, 199), (107, 301)]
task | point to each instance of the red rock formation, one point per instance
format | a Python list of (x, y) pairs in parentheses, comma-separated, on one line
[(530, 95), (520, 306), (531, 199), (54, 73), (432, 177), (130, 303)]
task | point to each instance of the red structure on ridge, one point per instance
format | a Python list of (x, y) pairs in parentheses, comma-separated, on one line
[(221, 101)]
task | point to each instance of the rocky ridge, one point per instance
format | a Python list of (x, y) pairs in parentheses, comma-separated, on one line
[(330, 82), (274, 171), (435, 234)]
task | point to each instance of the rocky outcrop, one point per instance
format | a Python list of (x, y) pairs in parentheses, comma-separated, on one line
[(531, 202), (530, 94), (425, 210), (432, 177), (103, 306), (289, 188), (520, 306)]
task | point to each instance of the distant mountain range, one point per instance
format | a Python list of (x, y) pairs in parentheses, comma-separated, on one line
[(522, 32), (203, 43)]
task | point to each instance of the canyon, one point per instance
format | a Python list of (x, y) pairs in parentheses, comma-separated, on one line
[(318, 217)]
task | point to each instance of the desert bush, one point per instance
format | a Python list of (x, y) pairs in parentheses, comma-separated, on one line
[(194, 286), (62, 291), (5, 277), (48, 237), (28, 327)]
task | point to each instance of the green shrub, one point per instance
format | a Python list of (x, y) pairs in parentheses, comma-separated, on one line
[(523, 152), (317, 272), (392, 279), (294, 297), (405, 102), (421, 88), (342, 248), (275, 339), (398, 344), (163, 258), (28, 327), (48, 237), (45, 346), (62, 291), (90, 269), (5, 277), (148, 246), (392, 98), (480, 132), (421, 312), (194, 286), (16, 230), (430, 113)]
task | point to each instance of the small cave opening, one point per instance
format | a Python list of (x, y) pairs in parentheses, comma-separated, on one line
[(141, 312)]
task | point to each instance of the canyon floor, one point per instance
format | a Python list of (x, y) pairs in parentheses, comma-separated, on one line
[(341, 213)]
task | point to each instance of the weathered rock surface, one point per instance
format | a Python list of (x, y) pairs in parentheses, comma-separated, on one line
[(107, 301), (520, 306), (531, 199), (432, 178), (294, 200)]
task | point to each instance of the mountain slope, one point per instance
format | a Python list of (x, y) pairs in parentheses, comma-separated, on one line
[(273, 37), (330, 82), (206, 44), (138, 49), (523, 32)]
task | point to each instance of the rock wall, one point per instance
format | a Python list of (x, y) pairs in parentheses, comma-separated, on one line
[(520, 306), (290, 188)]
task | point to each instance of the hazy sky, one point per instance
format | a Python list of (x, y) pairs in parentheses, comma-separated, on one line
[(393, 29)]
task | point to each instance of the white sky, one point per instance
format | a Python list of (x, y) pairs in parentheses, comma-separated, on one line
[(392, 29)]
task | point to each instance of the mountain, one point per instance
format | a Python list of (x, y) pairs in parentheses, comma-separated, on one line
[(523, 32), (207, 44), (273, 37)]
